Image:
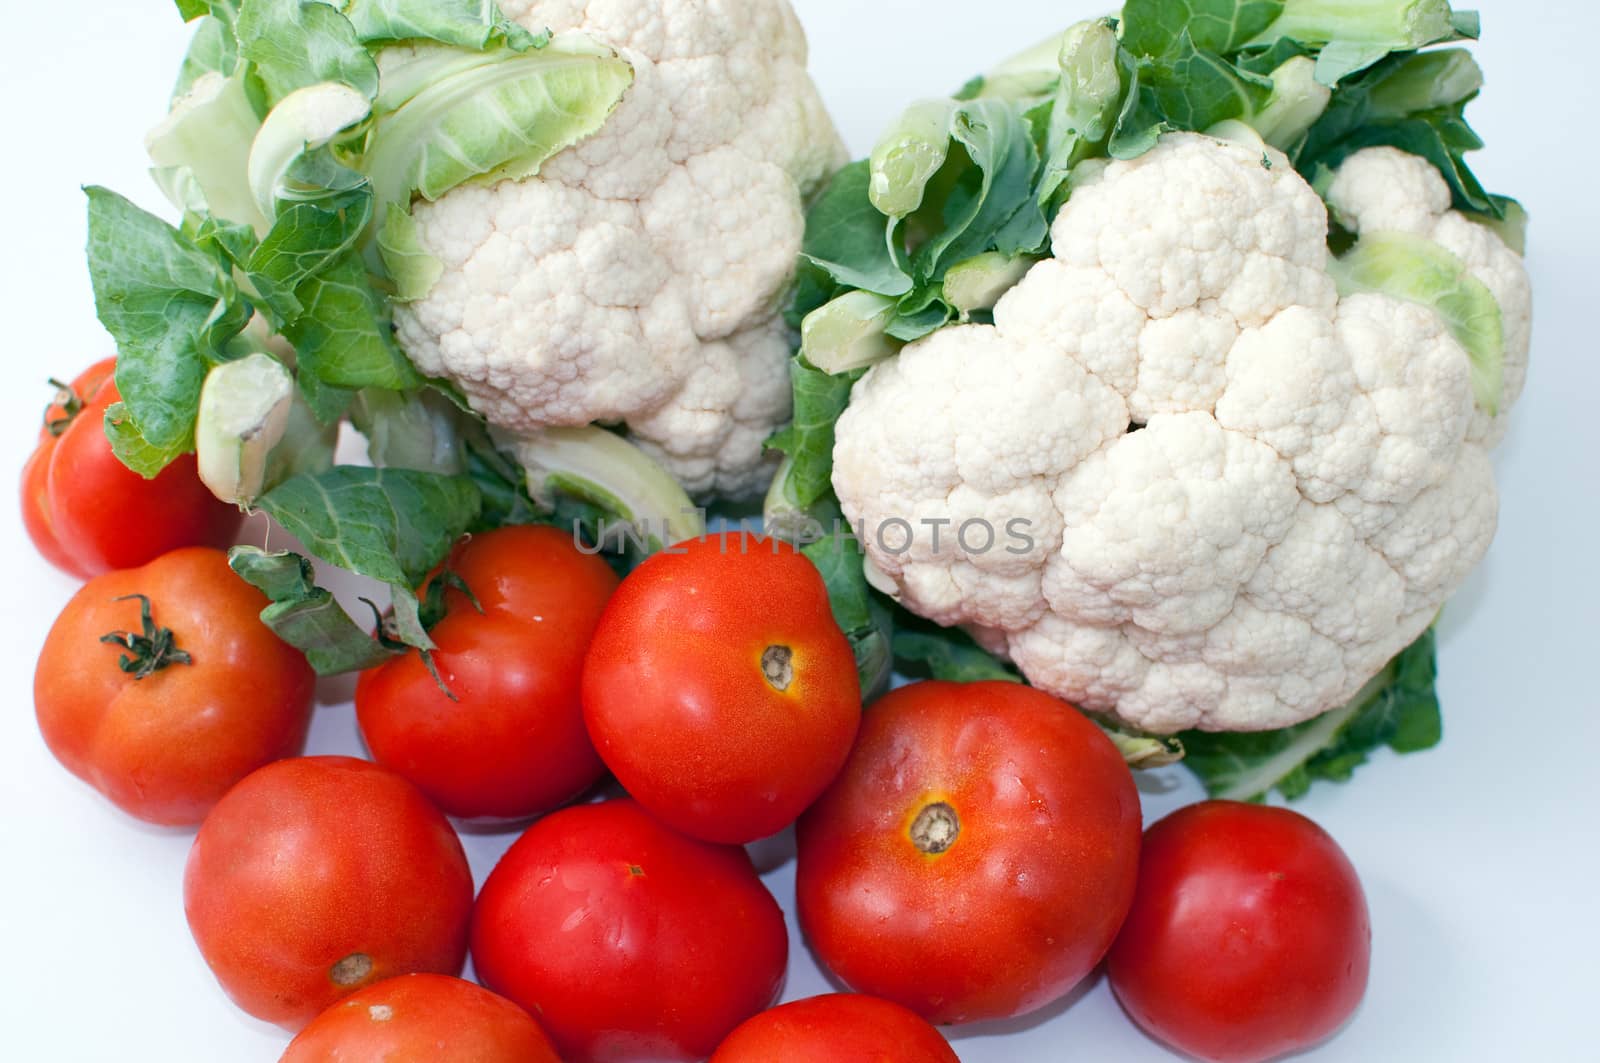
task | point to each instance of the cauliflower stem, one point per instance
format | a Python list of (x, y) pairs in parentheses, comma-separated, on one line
[(1397, 708), (606, 471)]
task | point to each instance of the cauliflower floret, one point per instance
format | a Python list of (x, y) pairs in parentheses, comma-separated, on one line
[(965, 462), (1388, 190), (637, 278), (1164, 526), (1244, 494)]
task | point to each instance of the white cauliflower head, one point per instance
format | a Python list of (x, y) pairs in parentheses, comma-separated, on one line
[(637, 278), (1221, 496)]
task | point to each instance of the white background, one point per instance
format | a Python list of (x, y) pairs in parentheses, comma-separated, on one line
[(1479, 858)]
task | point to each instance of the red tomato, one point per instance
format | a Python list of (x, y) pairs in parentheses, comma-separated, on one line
[(838, 1028), (1248, 938), (513, 744), (412, 1018), (719, 690), (628, 940), (58, 416), (88, 513), (223, 696), (977, 855), (317, 876)]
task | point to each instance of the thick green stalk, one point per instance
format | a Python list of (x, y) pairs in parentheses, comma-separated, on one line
[(605, 470), (907, 157), (1297, 101), (849, 333), (1406, 24)]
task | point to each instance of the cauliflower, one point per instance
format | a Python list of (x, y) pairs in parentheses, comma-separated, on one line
[(637, 278), (1182, 478), (578, 219)]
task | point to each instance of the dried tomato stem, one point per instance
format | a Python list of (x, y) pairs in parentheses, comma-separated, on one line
[(151, 648)]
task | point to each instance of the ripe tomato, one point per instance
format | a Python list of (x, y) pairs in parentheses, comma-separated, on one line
[(719, 690), (1248, 937), (837, 1028), (626, 939), (513, 744), (977, 855), (317, 876), (416, 1017), (223, 695), (58, 417), (88, 513)]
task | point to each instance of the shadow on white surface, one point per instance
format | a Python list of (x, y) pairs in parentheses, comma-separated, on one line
[(770, 854), (1030, 1021)]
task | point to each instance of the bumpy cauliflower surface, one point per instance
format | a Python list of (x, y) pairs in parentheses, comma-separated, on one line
[(1222, 496), (637, 278)]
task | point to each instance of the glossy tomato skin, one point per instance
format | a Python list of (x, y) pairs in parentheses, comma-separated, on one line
[(166, 748), (678, 699), (1249, 936), (977, 854), (513, 744), (629, 941), (317, 876), (837, 1028), (422, 1018), (87, 513), (36, 510)]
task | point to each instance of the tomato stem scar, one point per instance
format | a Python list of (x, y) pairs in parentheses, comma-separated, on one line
[(935, 829), (777, 664), (352, 969)]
